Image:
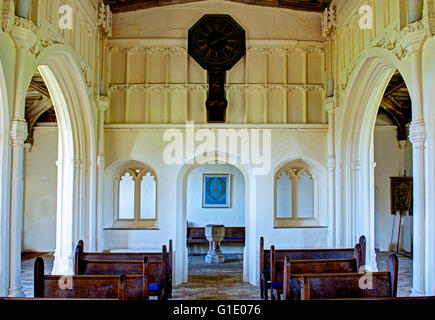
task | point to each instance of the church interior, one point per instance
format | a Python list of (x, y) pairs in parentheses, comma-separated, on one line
[(217, 149)]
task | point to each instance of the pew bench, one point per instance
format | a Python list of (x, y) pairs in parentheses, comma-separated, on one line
[(82, 286), (341, 285), (358, 252), (157, 276), (279, 271)]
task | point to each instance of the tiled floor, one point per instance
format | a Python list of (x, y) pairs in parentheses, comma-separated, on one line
[(222, 281), (405, 272), (216, 281)]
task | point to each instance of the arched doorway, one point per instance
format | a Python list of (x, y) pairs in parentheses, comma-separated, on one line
[(75, 208), (181, 250), (365, 91), (393, 180), (229, 210)]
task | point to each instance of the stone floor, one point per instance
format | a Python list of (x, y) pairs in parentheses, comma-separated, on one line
[(216, 281), (222, 281), (404, 283)]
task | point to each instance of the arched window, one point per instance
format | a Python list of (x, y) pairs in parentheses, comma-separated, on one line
[(135, 198), (296, 203)]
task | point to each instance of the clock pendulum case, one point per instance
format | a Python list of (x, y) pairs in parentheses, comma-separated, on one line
[(217, 43)]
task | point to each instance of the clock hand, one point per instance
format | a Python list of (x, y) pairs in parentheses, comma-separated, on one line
[(217, 40)]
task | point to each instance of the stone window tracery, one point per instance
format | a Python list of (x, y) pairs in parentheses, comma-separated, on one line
[(296, 197), (135, 198)]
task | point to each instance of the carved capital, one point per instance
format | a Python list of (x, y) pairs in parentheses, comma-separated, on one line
[(102, 103), (23, 32), (417, 134), (330, 105), (18, 132)]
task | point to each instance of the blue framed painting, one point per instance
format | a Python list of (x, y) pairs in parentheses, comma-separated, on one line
[(216, 190)]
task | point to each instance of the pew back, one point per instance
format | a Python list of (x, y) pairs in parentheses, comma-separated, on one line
[(342, 285), (330, 286), (77, 286), (81, 257), (357, 252), (313, 267)]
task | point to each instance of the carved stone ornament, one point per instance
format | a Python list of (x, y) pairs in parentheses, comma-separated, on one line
[(8, 15), (104, 19), (329, 21)]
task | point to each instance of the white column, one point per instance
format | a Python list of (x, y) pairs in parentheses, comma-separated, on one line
[(24, 39), (18, 135), (330, 107), (67, 224), (417, 136), (102, 103), (355, 223)]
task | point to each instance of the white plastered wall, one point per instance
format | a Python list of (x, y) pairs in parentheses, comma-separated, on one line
[(39, 224), (147, 146), (391, 161)]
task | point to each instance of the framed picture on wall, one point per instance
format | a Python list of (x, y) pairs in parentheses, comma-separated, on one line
[(216, 190)]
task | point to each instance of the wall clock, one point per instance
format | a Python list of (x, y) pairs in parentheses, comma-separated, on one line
[(217, 43)]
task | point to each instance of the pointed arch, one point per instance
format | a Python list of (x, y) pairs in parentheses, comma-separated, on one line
[(76, 217)]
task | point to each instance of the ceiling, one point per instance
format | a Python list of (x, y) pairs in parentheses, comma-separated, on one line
[(305, 5), (39, 107), (396, 104)]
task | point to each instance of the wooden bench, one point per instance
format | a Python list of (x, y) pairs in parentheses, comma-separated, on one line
[(196, 235), (305, 254), (306, 266), (83, 286), (342, 285), (156, 277)]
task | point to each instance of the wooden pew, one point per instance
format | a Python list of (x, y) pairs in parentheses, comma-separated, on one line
[(342, 285), (305, 254), (82, 286), (91, 262), (322, 266), (232, 235), (156, 272)]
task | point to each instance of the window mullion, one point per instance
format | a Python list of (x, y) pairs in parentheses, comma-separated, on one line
[(294, 197), (137, 199)]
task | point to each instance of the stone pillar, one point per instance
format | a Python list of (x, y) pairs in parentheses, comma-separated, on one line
[(417, 136), (24, 39), (330, 107), (214, 234), (102, 103), (67, 217), (413, 41)]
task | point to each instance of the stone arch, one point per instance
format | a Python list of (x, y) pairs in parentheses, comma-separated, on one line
[(250, 273), (355, 126), (76, 211)]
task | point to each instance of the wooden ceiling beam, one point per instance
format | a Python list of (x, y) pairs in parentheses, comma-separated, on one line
[(118, 6), (40, 88), (394, 88)]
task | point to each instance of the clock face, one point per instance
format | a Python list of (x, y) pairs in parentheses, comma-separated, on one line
[(216, 42)]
